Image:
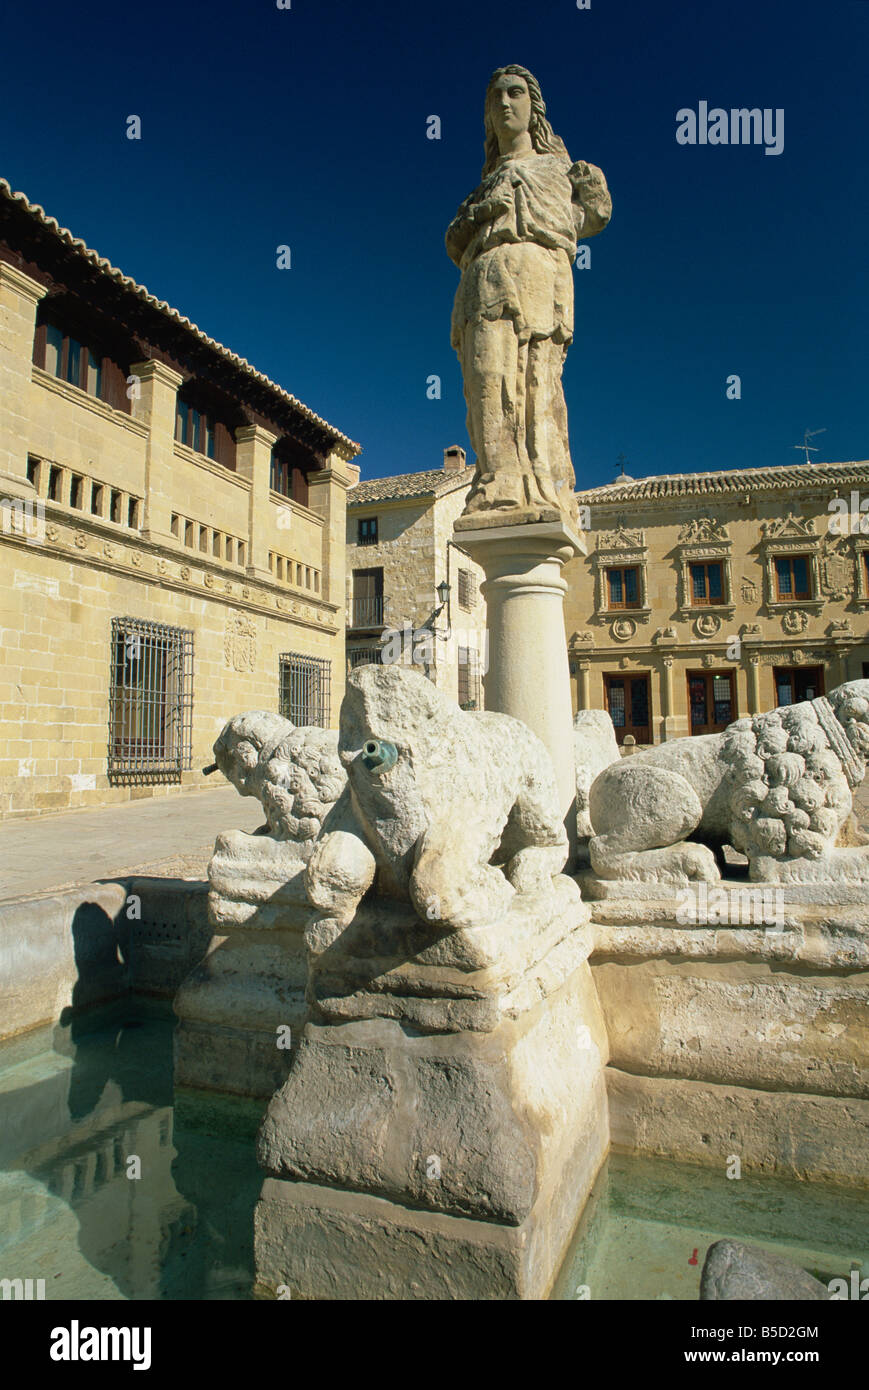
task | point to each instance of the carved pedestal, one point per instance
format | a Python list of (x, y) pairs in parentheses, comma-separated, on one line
[(445, 1117)]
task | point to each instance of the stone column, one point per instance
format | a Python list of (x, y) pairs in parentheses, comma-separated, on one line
[(528, 674), (155, 407), (754, 685), (583, 687), (19, 297), (253, 457), (667, 697)]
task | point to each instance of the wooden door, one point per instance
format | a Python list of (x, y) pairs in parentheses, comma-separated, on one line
[(627, 700)]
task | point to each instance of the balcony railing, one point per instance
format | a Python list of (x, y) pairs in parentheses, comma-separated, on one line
[(367, 612), (364, 656)]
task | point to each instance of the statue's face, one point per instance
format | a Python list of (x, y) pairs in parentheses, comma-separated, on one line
[(509, 105)]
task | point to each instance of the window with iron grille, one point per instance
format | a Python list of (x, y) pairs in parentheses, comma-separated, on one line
[(469, 678), (304, 689), (367, 533), (150, 703), (467, 590), (364, 656)]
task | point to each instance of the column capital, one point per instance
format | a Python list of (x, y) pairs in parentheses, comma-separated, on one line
[(341, 474), (520, 548), (152, 370), (255, 434), (16, 279)]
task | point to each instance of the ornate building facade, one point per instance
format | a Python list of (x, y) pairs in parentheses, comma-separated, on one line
[(706, 597), (172, 534), (400, 548)]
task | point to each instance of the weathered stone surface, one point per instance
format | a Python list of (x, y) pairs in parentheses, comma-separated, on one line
[(65, 949), (529, 677), (807, 1137), (237, 1005), (390, 964), (387, 1146), (295, 773), (257, 882), (455, 811), (777, 787), (366, 1103), (514, 240), (738, 1022), (734, 1271), (595, 747)]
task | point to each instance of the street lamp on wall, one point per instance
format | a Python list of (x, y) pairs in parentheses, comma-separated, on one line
[(443, 592)]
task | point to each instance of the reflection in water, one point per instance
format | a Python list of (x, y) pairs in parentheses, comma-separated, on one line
[(78, 1106), (78, 1102)]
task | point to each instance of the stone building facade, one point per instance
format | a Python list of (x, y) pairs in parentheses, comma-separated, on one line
[(400, 547), (172, 534), (706, 597)]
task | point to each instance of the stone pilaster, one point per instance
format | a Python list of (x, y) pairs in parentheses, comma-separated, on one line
[(584, 685), (19, 298), (155, 407), (754, 685), (669, 729), (327, 497), (253, 456)]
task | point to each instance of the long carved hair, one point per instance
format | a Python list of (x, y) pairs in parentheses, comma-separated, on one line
[(543, 137)]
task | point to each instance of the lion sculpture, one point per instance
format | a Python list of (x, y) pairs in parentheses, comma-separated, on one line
[(777, 787), (295, 772), (454, 811)]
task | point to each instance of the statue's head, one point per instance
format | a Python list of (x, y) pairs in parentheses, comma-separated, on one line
[(514, 102)]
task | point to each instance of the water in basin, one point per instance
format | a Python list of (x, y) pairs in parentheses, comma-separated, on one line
[(80, 1102)]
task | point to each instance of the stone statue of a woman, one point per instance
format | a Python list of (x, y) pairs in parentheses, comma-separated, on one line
[(514, 240)]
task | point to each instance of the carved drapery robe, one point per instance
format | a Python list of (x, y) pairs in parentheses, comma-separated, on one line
[(514, 240)]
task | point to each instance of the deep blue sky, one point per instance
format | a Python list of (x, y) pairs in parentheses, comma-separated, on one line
[(308, 127)]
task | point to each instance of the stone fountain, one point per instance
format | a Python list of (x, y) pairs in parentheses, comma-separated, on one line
[(470, 1031)]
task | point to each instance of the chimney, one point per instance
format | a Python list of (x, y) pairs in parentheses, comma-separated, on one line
[(454, 458)]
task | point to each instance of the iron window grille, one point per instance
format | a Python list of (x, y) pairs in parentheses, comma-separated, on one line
[(151, 702), (304, 689), (367, 532), (467, 590), (469, 679)]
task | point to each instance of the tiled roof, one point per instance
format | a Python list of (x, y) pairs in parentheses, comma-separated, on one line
[(435, 482), (673, 485), (346, 447)]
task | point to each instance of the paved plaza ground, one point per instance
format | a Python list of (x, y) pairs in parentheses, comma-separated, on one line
[(169, 837)]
